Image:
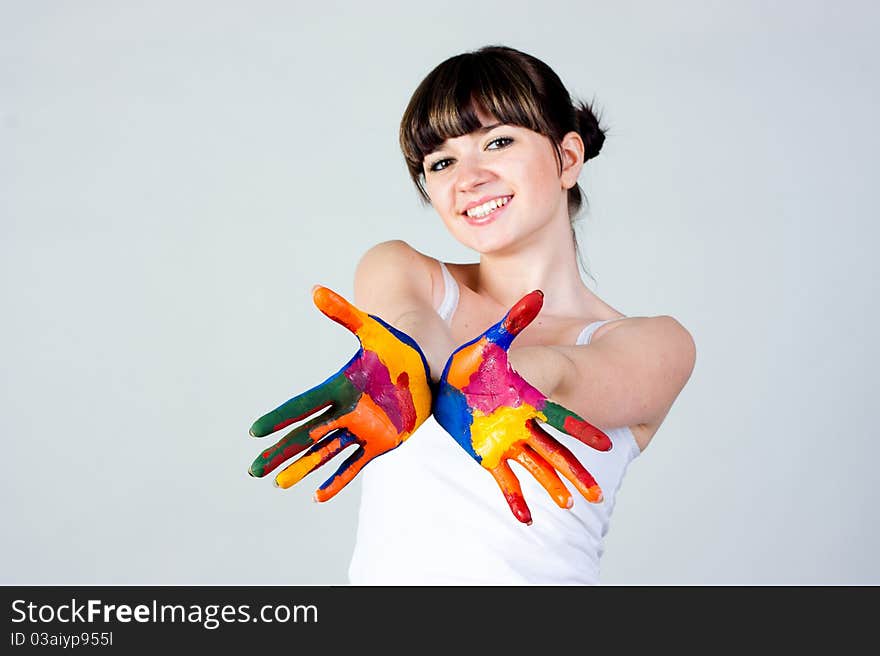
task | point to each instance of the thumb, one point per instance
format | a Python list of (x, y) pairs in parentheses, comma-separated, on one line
[(337, 308), (517, 318)]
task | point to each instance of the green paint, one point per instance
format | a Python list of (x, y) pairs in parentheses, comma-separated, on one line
[(556, 415), (337, 392)]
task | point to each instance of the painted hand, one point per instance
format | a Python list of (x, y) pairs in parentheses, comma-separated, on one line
[(376, 400), (493, 413)]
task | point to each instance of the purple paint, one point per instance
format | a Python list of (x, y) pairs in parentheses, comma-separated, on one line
[(494, 384), (370, 375)]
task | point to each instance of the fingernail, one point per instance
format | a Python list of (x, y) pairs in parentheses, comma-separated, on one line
[(570, 503), (275, 482)]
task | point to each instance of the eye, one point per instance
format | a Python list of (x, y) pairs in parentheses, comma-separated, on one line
[(442, 164), (436, 165), (506, 141)]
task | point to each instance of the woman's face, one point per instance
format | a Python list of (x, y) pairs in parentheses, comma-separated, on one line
[(510, 165)]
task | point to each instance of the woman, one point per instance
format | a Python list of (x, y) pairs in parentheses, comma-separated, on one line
[(494, 143)]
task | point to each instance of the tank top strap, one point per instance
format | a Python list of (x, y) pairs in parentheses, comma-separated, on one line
[(587, 333), (450, 295)]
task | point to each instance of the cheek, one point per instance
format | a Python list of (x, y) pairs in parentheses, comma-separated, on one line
[(544, 176), (440, 198)]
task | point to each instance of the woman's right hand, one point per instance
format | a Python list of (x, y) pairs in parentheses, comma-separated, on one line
[(377, 399)]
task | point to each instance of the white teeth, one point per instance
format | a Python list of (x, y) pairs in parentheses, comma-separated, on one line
[(485, 208)]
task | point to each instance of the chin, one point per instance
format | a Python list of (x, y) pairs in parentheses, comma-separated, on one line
[(487, 245)]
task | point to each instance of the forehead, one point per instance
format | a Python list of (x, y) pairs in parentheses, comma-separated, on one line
[(487, 121), (485, 117)]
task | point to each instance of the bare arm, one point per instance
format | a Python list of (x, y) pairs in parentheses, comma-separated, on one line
[(395, 282), (630, 376)]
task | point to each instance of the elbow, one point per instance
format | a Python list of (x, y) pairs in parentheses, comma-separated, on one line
[(682, 346)]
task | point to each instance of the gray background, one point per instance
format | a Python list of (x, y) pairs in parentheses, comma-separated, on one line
[(175, 177)]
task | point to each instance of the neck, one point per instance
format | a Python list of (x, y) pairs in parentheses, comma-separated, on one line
[(545, 261)]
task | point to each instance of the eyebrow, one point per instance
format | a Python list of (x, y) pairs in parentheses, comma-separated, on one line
[(486, 128), (480, 130)]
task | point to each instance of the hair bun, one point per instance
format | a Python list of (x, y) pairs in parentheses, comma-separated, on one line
[(589, 129)]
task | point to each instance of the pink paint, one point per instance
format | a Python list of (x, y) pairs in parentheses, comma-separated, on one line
[(370, 375), (494, 384)]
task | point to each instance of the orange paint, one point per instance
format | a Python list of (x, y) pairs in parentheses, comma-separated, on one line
[(367, 418), (338, 309), (465, 363)]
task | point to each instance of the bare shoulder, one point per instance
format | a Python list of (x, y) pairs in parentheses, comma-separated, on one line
[(669, 328), (392, 276)]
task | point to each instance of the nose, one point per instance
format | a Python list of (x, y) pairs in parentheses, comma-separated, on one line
[(470, 174)]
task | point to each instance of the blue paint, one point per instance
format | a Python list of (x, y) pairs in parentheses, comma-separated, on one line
[(499, 335), (347, 439), (452, 412)]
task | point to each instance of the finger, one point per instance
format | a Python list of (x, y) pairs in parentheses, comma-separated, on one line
[(367, 419), (544, 473), (296, 441), (335, 390), (565, 462), (384, 348), (337, 308), (317, 455), (572, 424), (523, 312), (344, 475), (512, 491), (516, 319)]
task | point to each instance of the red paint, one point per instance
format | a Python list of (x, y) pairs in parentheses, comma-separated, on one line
[(285, 454), (407, 408), (288, 422), (564, 462), (525, 310), (587, 433), (518, 505)]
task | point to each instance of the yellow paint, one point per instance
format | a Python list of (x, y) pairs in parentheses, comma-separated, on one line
[(465, 363), (295, 472), (492, 435), (421, 395), (375, 337)]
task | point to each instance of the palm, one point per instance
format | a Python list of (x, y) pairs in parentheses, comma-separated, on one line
[(376, 400), (494, 415)]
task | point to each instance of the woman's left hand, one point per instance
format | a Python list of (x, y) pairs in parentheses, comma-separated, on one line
[(493, 413)]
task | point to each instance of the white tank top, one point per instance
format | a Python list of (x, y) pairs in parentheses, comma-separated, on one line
[(431, 515)]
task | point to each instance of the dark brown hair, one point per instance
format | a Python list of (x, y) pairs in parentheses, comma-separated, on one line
[(514, 87)]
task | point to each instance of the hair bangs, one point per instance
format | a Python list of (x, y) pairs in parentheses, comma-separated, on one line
[(444, 105)]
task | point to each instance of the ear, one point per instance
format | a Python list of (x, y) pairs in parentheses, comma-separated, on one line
[(572, 151)]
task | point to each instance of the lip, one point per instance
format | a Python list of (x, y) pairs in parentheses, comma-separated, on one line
[(491, 216), (484, 199)]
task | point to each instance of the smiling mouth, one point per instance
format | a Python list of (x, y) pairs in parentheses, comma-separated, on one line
[(487, 208)]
